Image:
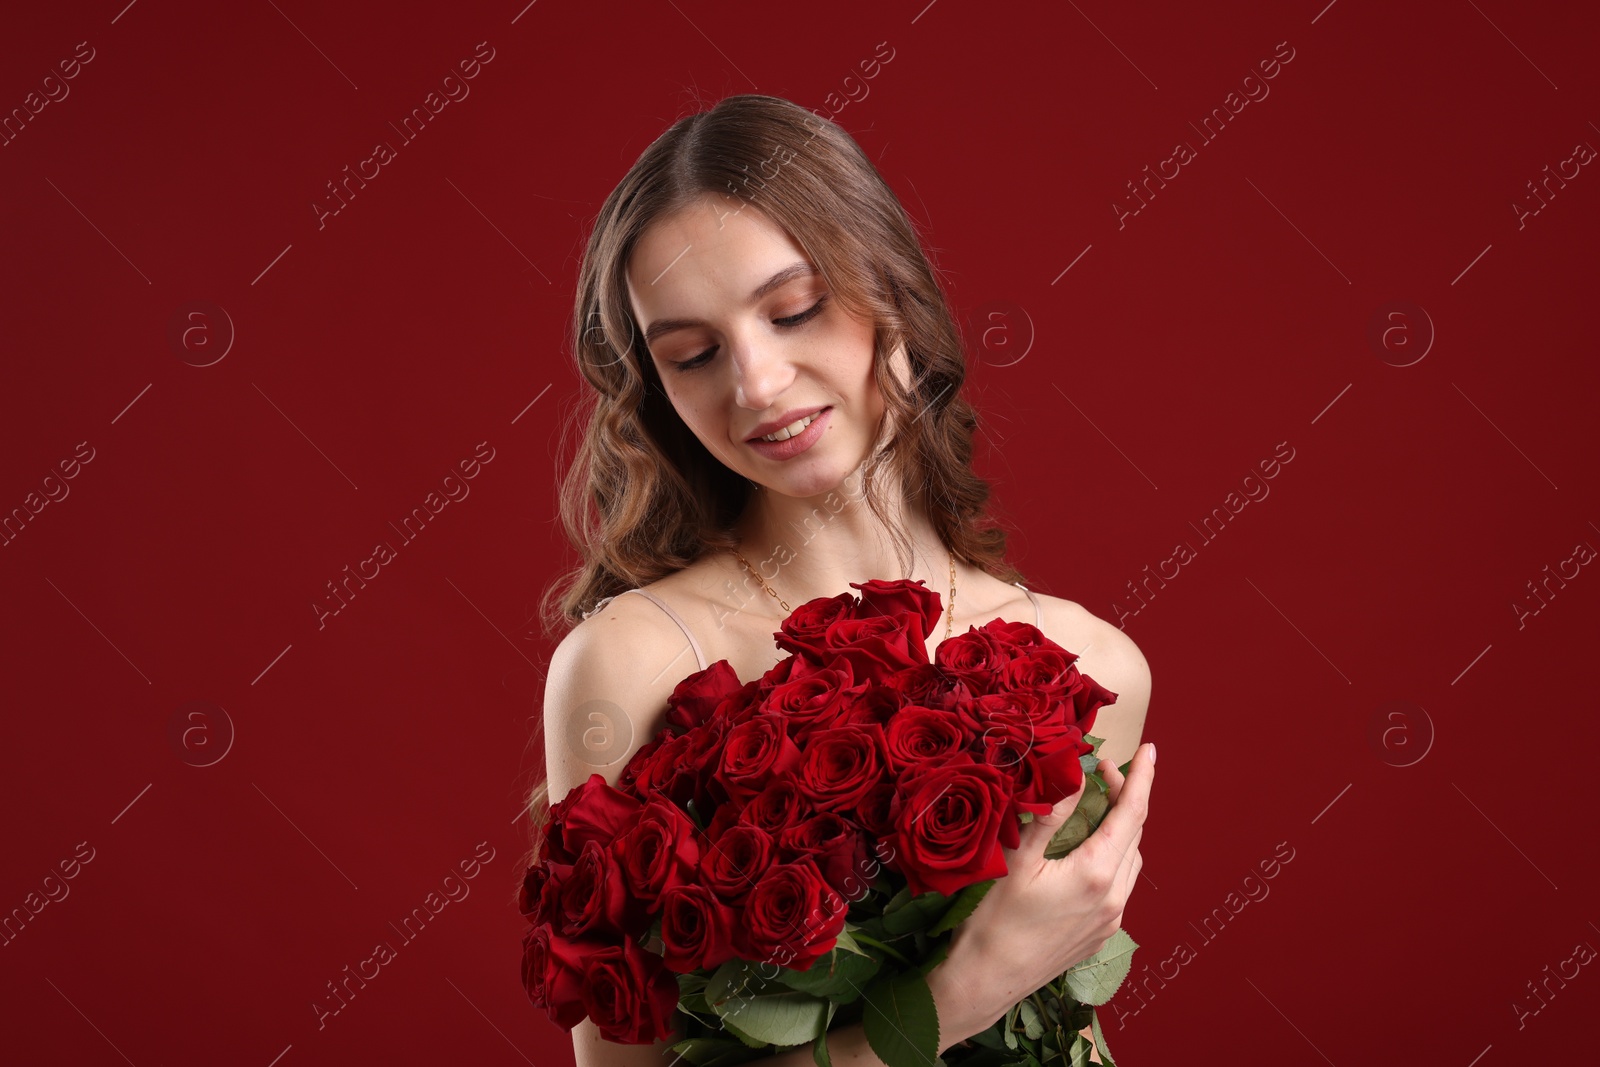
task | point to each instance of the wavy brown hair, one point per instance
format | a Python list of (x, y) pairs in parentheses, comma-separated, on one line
[(643, 497)]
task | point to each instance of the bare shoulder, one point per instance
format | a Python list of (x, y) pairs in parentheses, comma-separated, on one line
[(1108, 655), (607, 688)]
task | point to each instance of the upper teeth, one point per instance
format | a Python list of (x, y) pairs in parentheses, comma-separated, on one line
[(792, 429)]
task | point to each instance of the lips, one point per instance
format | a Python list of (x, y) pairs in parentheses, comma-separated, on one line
[(784, 420)]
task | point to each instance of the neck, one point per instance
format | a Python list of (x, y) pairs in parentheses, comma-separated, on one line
[(809, 547)]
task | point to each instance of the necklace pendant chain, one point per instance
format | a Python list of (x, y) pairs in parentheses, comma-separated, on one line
[(950, 610)]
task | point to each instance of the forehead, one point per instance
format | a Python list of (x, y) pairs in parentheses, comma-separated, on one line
[(708, 253)]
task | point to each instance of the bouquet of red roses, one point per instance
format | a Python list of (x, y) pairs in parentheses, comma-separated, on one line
[(791, 853)]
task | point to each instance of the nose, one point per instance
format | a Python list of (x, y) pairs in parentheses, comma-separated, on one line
[(762, 373)]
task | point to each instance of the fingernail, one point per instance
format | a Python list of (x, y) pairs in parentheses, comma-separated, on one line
[(1152, 752)]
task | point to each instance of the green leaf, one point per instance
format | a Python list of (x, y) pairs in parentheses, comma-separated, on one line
[(787, 1018), (1100, 1041), (1078, 1054), (819, 1043), (692, 994), (752, 1042), (920, 913), (736, 978), (1010, 1029), (1096, 742), (838, 976), (1092, 807), (901, 1021), (898, 901), (875, 943), (965, 902), (695, 1004), (847, 942), (1032, 1024), (1096, 979)]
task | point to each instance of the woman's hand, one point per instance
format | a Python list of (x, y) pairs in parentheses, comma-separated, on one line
[(1045, 915)]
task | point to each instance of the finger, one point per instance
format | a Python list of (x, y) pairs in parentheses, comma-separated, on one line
[(1128, 866), (1129, 874), (1033, 837), (1122, 824)]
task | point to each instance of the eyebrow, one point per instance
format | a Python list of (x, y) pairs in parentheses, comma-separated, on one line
[(789, 273)]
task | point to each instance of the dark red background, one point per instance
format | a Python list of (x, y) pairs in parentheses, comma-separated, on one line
[(1131, 394)]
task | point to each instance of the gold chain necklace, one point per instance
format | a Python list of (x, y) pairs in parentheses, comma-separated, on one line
[(950, 612)]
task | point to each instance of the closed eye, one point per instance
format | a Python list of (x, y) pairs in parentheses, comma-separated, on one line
[(789, 322)]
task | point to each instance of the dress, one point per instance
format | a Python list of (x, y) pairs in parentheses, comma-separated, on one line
[(700, 656)]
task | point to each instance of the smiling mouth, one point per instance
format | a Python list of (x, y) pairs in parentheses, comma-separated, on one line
[(794, 429)]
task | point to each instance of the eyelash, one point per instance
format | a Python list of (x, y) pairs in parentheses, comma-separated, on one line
[(789, 322)]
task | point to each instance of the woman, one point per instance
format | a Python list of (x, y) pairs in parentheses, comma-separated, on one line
[(777, 413)]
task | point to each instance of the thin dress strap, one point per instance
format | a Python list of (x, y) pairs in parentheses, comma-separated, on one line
[(1038, 605), (700, 657)]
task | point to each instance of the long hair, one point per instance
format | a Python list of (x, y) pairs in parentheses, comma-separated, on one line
[(643, 497)]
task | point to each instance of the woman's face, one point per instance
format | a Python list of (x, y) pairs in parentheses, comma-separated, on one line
[(743, 332)]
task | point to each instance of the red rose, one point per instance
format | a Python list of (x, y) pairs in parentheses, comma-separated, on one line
[(1086, 696), (1038, 669), (530, 893), (925, 685), (1041, 779), (660, 851), (914, 600), (725, 816), (876, 646), (1016, 637), (627, 781), (697, 696), (806, 699), (973, 658), (918, 734), (803, 632), (791, 917), (552, 973), (840, 764), (696, 929), (875, 810), (548, 906), (867, 703), (1009, 724), (668, 772), (743, 704), (734, 860), (594, 898), (593, 811), (836, 846), (702, 755), (777, 807), (786, 669), (951, 822), (756, 751), (630, 994)]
